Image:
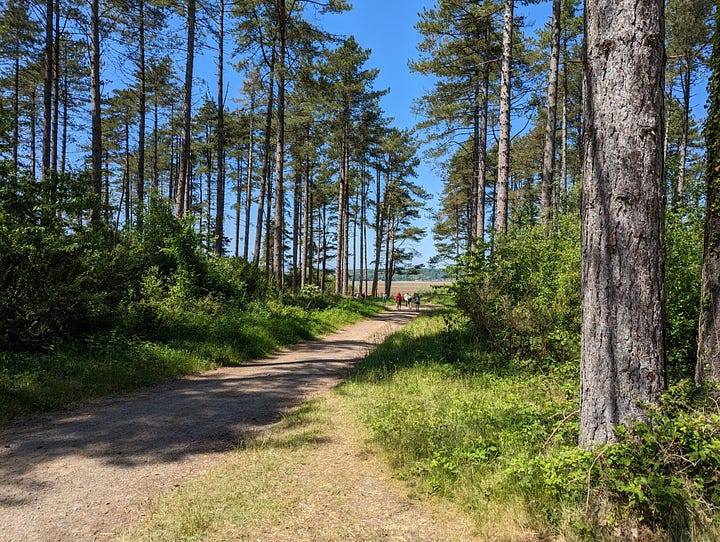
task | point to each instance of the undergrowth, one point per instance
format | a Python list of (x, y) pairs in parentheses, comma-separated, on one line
[(497, 433), (159, 340)]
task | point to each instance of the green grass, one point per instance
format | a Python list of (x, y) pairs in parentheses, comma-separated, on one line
[(157, 342), (456, 420), (499, 437)]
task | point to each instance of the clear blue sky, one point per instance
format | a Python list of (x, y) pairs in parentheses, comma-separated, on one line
[(387, 28)]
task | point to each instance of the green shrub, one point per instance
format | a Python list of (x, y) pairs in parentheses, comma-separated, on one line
[(524, 297)]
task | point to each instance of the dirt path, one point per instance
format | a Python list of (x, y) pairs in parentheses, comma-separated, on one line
[(85, 474)]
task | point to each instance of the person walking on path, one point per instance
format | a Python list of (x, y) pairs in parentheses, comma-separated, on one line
[(398, 301), (416, 301)]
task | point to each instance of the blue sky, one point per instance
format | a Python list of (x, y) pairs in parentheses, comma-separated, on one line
[(387, 28)]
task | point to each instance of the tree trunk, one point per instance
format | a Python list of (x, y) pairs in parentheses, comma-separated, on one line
[(622, 332), (96, 112), (220, 204), (47, 89), (548, 166), (265, 181), (687, 70), (182, 197), (708, 354), (503, 175), (279, 222), (248, 180), (142, 115)]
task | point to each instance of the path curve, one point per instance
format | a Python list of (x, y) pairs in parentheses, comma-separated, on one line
[(82, 475)]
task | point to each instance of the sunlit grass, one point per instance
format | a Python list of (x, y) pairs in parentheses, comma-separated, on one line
[(166, 343)]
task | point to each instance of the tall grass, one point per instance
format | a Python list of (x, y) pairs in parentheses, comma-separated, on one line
[(159, 341)]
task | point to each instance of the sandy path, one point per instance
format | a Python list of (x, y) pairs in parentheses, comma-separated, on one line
[(84, 474)]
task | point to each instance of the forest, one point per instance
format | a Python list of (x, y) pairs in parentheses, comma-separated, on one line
[(143, 207)]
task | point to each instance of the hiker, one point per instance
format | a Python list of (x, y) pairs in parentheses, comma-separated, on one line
[(407, 297), (416, 300), (398, 300)]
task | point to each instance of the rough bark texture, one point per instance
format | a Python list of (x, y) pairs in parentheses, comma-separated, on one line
[(708, 358), (622, 354), (503, 172)]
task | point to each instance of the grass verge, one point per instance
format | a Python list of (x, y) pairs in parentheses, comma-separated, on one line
[(156, 342)]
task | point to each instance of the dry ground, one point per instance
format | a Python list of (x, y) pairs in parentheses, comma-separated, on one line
[(91, 473)]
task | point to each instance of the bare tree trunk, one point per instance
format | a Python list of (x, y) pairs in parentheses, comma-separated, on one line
[(279, 226), (548, 166), (220, 204), (708, 354), (503, 175), (47, 89), (182, 197), (56, 90), (265, 181), (96, 111), (687, 69), (379, 233), (623, 324), (142, 113), (248, 181)]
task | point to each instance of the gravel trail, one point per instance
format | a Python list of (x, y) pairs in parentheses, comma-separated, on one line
[(84, 474)]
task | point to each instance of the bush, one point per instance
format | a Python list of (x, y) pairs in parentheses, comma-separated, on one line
[(524, 298)]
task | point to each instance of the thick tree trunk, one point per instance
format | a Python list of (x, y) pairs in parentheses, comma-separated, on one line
[(708, 355), (503, 174), (622, 353), (548, 166)]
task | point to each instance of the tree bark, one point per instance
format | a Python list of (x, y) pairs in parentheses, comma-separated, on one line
[(548, 166), (708, 354), (503, 174), (220, 207), (623, 323), (279, 222), (47, 89), (96, 112), (182, 197)]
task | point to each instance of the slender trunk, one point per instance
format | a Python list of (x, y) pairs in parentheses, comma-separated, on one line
[(47, 89), (564, 123), (503, 174), (142, 114), (482, 152), (548, 166), (16, 109), (279, 223), (182, 198), (305, 255), (622, 330), (265, 182), (687, 69), (56, 90), (238, 206), (96, 109), (220, 207), (378, 230), (248, 180)]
